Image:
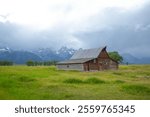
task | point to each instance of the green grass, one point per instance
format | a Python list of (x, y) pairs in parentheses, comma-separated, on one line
[(73, 81), (136, 89), (130, 82), (94, 80)]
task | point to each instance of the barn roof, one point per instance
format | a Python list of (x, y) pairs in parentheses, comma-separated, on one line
[(82, 56), (87, 53), (73, 61)]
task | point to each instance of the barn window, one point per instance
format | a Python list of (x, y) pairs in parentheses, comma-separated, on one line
[(94, 61), (100, 62), (67, 66)]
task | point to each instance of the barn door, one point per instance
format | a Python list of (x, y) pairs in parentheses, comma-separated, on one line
[(100, 67), (86, 67), (105, 65)]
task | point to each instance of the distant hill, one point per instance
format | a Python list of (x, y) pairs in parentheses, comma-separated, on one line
[(134, 60)]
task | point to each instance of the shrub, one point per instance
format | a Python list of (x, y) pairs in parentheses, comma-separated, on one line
[(73, 81), (94, 81)]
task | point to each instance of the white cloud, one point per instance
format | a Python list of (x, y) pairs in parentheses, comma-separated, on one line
[(50, 13)]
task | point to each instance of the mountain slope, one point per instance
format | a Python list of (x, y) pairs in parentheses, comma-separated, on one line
[(47, 54), (18, 57), (42, 54), (134, 60)]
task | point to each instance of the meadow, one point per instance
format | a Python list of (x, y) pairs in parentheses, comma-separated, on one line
[(130, 82)]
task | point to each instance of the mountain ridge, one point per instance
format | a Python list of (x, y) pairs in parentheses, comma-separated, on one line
[(48, 54), (41, 54)]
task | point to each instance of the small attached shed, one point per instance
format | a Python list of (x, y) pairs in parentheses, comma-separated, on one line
[(89, 60)]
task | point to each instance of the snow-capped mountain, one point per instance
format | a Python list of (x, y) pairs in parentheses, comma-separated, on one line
[(41, 54), (18, 57), (49, 54), (5, 49), (65, 53)]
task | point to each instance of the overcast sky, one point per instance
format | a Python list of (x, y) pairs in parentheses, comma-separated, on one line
[(122, 25)]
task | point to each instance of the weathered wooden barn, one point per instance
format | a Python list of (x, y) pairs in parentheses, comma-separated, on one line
[(89, 60)]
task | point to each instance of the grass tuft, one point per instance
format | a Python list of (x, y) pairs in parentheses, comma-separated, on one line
[(7, 83), (136, 89), (25, 79), (117, 73), (94, 80), (73, 81), (119, 81), (53, 68)]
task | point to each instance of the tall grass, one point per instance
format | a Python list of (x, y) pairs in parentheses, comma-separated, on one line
[(73, 81), (46, 82), (91, 80), (94, 80), (119, 81), (136, 89)]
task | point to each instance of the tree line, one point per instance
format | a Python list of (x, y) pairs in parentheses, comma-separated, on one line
[(29, 63), (6, 63), (40, 63)]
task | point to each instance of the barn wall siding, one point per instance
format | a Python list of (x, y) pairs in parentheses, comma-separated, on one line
[(113, 65), (78, 67)]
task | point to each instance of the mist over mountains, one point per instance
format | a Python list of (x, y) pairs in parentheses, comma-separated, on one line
[(49, 54)]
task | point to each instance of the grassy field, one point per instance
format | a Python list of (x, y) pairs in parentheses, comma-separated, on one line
[(23, 82)]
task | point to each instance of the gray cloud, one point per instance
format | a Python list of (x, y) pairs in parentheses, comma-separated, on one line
[(124, 31), (19, 37)]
